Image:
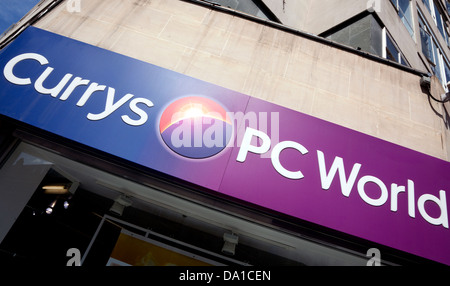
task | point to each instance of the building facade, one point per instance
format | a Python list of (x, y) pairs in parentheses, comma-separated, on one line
[(347, 99)]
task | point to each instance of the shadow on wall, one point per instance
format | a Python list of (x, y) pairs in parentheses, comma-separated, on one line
[(434, 94)]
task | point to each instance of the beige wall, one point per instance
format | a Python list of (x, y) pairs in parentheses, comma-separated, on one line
[(263, 62)]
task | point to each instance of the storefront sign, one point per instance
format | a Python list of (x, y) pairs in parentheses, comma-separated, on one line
[(106, 101), (282, 160)]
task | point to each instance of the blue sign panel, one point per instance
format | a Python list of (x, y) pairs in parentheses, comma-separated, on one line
[(107, 101)]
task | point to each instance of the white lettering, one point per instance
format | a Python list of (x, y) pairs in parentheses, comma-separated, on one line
[(275, 157), (253, 136), (76, 82), (247, 146), (441, 202), (395, 190), (362, 193), (94, 87), (337, 166), (193, 276), (274, 128), (250, 275), (143, 116), (8, 70), (411, 199), (38, 85), (110, 106)]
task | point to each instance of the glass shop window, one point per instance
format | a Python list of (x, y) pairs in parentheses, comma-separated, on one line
[(54, 210)]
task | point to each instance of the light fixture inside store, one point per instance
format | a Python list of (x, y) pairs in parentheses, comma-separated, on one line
[(56, 189), (231, 240), (120, 204), (49, 210), (66, 203)]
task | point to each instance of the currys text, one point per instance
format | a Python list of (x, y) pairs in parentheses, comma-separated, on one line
[(69, 83)]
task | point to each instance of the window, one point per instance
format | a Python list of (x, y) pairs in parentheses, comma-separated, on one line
[(392, 52), (440, 23), (405, 12), (433, 52), (437, 62), (447, 72), (436, 14), (368, 34), (426, 40), (40, 224), (427, 4), (364, 34), (176, 227)]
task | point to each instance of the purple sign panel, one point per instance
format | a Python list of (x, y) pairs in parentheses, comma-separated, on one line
[(345, 180), (229, 142)]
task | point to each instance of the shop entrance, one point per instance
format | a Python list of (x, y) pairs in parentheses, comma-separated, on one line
[(51, 204)]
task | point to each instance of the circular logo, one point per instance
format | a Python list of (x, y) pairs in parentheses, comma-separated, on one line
[(196, 127)]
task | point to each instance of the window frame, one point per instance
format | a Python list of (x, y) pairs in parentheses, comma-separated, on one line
[(439, 63), (438, 20), (409, 25), (400, 57)]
